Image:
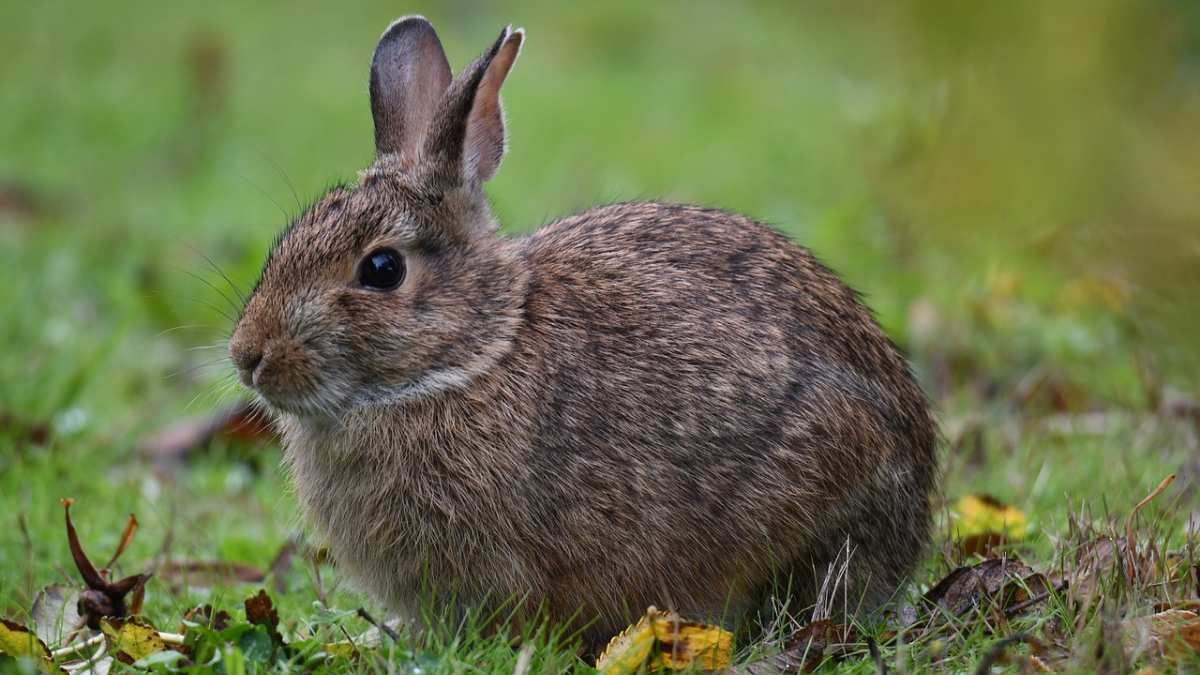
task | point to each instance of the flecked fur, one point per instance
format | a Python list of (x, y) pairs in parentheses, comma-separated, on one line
[(641, 404)]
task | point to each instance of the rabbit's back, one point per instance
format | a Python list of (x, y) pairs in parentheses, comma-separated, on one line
[(715, 407)]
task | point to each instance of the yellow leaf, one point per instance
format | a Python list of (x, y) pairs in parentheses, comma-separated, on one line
[(981, 514), (18, 641), (665, 641), (630, 649), (132, 638), (344, 649)]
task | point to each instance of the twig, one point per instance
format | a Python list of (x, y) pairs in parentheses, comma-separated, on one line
[(524, 658), (1037, 599), (1130, 542), (77, 647), (350, 640), (997, 650), (383, 627)]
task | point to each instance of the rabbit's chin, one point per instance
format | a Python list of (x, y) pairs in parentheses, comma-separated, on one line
[(330, 404), (308, 407), (428, 384), (328, 401)]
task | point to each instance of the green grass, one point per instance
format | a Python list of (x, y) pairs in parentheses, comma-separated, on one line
[(153, 137)]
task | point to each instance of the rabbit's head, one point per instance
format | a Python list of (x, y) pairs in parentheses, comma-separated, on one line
[(396, 286)]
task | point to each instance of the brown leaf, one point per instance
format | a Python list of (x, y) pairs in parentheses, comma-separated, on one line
[(208, 573), (282, 564), (807, 649), (1106, 558), (103, 598), (240, 422), (261, 611), (1174, 634), (131, 526), (994, 583), (205, 616), (823, 639), (37, 433)]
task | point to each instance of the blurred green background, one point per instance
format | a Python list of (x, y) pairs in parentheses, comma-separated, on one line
[(1015, 187)]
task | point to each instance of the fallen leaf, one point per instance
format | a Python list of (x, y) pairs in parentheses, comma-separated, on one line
[(172, 445), (1174, 634), (664, 641), (133, 639), (204, 616), (688, 644), (37, 433), (104, 598), (981, 523), (995, 582), (1105, 558), (20, 200), (630, 649), (823, 639), (343, 649), (18, 641), (260, 611), (55, 614), (208, 573), (282, 564)]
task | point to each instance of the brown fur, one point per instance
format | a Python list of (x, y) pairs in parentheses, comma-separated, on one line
[(642, 404)]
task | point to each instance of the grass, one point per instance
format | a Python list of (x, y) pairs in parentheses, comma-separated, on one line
[(142, 140)]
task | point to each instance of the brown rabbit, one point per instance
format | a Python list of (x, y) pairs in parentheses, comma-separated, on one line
[(642, 404)]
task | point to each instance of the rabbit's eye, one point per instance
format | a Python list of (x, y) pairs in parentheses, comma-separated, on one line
[(381, 270)]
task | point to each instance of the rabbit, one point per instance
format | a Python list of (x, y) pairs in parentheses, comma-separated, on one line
[(642, 404)]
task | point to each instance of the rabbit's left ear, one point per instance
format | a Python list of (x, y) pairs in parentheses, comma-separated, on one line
[(467, 138), (409, 76)]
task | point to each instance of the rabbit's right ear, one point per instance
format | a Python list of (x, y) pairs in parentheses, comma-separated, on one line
[(409, 76)]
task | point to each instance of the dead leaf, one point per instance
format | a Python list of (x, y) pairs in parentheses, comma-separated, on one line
[(1103, 558), (37, 433), (103, 598), (55, 614), (208, 573), (282, 564), (994, 583), (809, 648), (1131, 554), (172, 445), (133, 639), (823, 639), (261, 611), (1174, 634), (664, 641), (205, 616), (18, 641)]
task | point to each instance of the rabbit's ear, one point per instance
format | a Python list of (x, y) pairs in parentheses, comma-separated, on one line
[(467, 140), (409, 77)]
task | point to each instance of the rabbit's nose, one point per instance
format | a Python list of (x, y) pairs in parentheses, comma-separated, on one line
[(247, 360)]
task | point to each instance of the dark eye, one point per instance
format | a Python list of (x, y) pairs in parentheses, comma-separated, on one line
[(381, 270)]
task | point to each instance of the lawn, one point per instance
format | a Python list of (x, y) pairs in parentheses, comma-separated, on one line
[(152, 151)]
